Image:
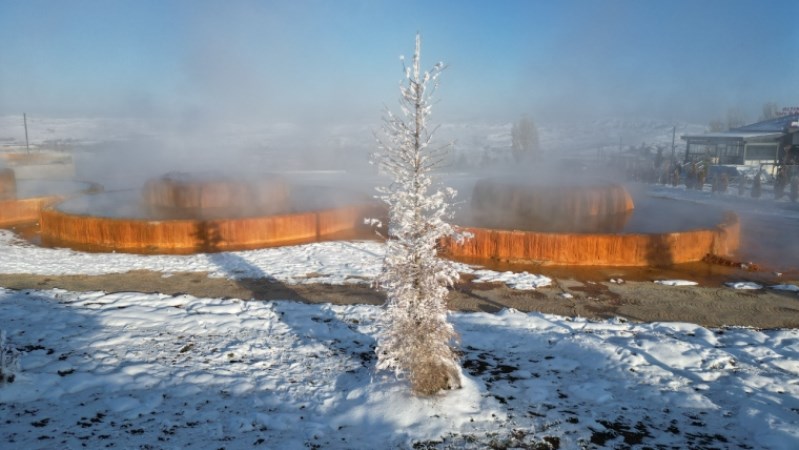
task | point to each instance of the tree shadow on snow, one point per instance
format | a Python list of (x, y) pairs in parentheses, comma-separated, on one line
[(322, 333), (94, 375), (53, 335), (263, 286)]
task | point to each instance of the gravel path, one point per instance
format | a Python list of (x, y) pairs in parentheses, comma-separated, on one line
[(709, 304)]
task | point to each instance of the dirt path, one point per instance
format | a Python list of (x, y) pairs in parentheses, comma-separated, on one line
[(709, 304)]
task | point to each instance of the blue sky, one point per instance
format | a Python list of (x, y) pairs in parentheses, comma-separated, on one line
[(337, 60)]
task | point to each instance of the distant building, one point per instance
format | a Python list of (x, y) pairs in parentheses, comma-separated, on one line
[(774, 141)]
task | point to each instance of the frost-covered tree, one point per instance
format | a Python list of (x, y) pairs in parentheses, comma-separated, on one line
[(416, 340), (770, 111), (716, 125), (733, 119)]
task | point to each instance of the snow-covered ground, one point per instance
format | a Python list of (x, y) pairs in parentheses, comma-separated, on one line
[(153, 371), (342, 262)]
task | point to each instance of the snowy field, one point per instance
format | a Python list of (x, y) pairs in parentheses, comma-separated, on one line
[(343, 262), (133, 370)]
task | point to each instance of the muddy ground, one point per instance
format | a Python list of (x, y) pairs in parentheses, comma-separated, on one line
[(588, 294)]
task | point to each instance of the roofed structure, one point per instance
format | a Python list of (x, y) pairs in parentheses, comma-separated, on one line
[(774, 141)]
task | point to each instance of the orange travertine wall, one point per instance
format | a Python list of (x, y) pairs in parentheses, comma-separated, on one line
[(8, 184), (14, 159), (562, 204), (598, 249), (26, 210), (196, 197), (17, 211), (184, 236)]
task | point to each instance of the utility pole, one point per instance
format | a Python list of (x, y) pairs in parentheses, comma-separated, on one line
[(25, 120), (673, 134)]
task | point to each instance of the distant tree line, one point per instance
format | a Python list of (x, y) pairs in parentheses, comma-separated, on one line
[(734, 118)]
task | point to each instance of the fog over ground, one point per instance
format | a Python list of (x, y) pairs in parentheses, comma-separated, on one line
[(125, 152)]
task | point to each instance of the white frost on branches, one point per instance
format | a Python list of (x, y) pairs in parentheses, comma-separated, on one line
[(416, 340)]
